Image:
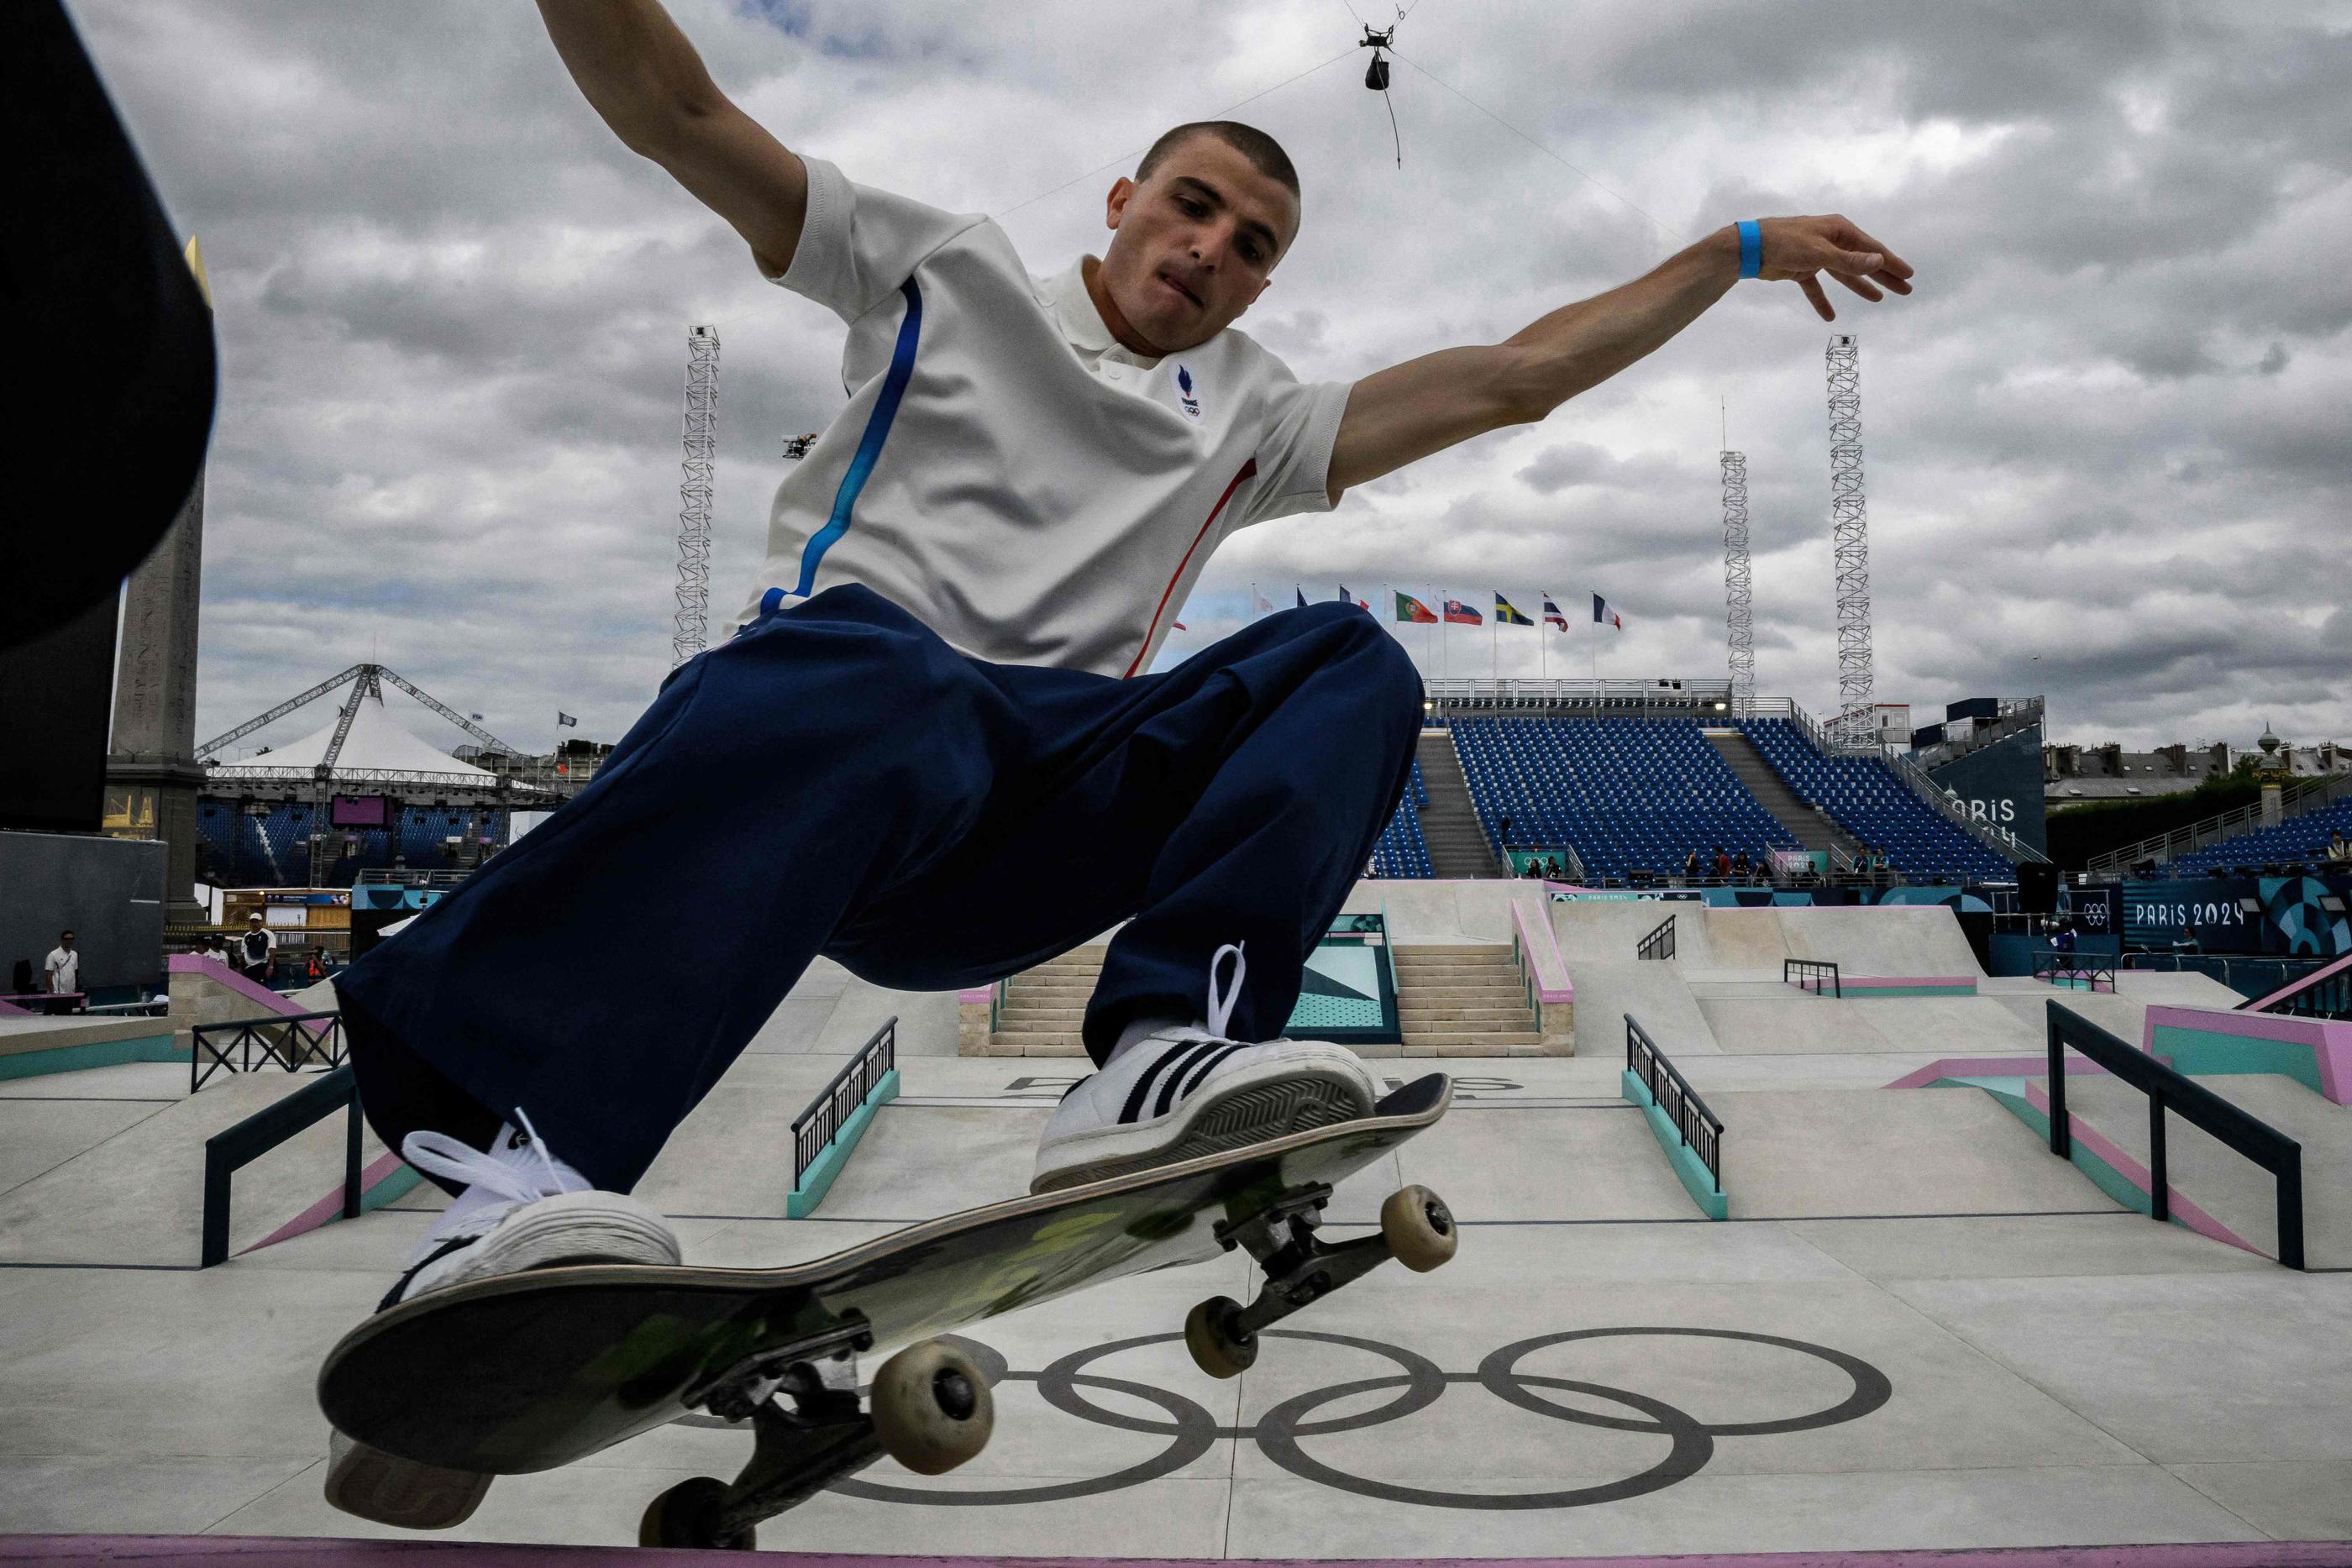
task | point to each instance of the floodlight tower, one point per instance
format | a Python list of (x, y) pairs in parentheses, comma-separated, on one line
[(1849, 529), (694, 494), (1738, 592)]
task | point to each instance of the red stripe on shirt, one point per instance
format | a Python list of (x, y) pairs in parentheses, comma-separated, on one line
[(1248, 470)]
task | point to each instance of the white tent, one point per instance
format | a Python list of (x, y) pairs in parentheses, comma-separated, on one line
[(376, 745)]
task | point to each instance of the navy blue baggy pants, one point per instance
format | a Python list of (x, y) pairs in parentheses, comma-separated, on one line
[(837, 780)]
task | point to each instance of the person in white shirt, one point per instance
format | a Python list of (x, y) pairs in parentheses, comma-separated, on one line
[(62, 972), (936, 749), (249, 954)]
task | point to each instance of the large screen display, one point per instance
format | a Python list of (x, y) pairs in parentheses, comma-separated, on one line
[(360, 812)]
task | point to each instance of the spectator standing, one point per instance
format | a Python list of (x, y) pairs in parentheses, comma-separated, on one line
[(250, 957), (1722, 863), (1692, 869), (61, 973)]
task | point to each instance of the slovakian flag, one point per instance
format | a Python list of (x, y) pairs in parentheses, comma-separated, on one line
[(1552, 617), (1507, 616), (1604, 616), (1460, 615), (1412, 611), (1359, 603)]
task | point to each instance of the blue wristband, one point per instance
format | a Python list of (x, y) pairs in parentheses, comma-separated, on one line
[(1752, 248)]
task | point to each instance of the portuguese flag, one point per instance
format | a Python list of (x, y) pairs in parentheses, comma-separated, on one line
[(1413, 612)]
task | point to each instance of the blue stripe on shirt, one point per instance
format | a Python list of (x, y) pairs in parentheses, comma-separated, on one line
[(869, 448)]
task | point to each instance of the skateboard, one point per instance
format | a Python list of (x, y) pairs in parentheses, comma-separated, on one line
[(529, 1371)]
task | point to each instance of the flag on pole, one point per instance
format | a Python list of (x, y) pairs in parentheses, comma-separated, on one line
[(564, 718), (1412, 611), (1259, 604), (1504, 615), (1302, 595), (1358, 603), (1179, 625), (1552, 617), (1604, 616), (1460, 615)]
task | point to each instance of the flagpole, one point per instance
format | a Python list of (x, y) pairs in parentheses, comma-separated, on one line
[(1494, 650), (1543, 644)]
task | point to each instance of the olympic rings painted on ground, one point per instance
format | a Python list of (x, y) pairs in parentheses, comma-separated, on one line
[(1193, 1431)]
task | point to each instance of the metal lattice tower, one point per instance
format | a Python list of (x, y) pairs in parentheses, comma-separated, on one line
[(1849, 529), (694, 494), (1739, 589)]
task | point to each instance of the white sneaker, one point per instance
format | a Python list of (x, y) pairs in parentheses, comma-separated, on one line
[(1187, 1091), (521, 1209)]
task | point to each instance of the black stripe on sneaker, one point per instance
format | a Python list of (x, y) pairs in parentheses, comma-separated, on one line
[(1174, 1062), (1171, 1093), (391, 1297)]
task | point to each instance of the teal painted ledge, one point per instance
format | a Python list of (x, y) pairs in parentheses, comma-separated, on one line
[(1687, 1166), (96, 1054), (805, 1197)]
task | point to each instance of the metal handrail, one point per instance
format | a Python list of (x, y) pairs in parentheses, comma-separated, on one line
[(2326, 993), (834, 1104), (322, 1047), (263, 1131), (1700, 1128), (1809, 974), (2196, 1104), (1659, 943), (2077, 966)]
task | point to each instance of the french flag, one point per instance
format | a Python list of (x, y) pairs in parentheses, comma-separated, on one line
[(1604, 616)]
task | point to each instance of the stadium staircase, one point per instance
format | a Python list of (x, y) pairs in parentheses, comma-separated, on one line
[(1449, 825), (1810, 826), (1463, 999)]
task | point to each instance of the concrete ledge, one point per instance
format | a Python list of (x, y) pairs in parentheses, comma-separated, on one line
[(1688, 1170), (2315, 1052), (70, 1045), (1864, 988), (804, 1199), (1548, 986)]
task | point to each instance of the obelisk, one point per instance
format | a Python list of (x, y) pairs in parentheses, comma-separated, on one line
[(153, 776)]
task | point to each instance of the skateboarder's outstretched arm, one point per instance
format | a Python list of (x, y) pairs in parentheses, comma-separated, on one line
[(1407, 412), (637, 71)]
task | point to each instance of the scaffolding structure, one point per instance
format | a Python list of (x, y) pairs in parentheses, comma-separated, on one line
[(1850, 532), (1739, 584), (693, 618)]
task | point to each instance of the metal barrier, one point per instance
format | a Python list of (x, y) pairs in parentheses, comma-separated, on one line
[(2248, 974), (2324, 993), (1659, 943), (2198, 1105), (258, 1134), (1701, 1129), (2088, 967), (1813, 974), (815, 1127), (289, 1040)]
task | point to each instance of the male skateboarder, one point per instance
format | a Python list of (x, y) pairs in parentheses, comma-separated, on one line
[(934, 749)]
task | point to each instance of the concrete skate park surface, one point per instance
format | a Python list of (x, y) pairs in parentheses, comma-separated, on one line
[(1921, 1332)]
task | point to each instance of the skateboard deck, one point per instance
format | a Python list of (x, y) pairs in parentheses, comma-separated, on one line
[(529, 1371)]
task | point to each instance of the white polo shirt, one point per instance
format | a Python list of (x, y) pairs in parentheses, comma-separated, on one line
[(1005, 471)]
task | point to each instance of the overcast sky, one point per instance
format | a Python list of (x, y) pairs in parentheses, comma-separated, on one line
[(2107, 441)]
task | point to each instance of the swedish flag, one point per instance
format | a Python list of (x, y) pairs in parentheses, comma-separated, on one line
[(1507, 616)]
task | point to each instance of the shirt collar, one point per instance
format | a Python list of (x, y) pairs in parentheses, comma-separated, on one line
[(1082, 322)]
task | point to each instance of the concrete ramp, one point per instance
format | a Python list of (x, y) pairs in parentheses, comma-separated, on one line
[(1655, 994), (1881, 939), (1790, 1155), (1611, 932), (135, 1193), (1799, 1026), (1426, 910), (1746, 939)]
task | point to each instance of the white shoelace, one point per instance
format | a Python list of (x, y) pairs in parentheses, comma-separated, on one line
[(499, 1177), (1220, 1007)]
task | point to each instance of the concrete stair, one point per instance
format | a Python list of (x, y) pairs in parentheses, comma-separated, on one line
[(1045, 1006), (1813, 829), (1463, 999), (1456, 839)]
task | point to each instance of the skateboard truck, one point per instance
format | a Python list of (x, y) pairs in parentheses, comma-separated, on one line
[(1416, 1230), (929, 1409)]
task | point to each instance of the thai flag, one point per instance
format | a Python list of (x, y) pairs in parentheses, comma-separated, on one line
[(1460, 615), (1604, 616), (1552, 617)]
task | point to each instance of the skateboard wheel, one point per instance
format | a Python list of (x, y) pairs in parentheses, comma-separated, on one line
[(931, 1407), (1419, 1227), (1217, 1347), (687, 1515)]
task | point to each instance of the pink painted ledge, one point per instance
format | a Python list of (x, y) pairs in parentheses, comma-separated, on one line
[(214, 970), (252, 1552), (975, 996), (1870, 982), (11, 1011), (328, 1207), (2139, 1175), (2329, 1040), (1550, 976), (2036, 1066)]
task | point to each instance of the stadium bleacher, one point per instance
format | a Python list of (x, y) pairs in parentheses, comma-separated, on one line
[(1402, 849), (236, 848), (2301, 841), (1867, 799)]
